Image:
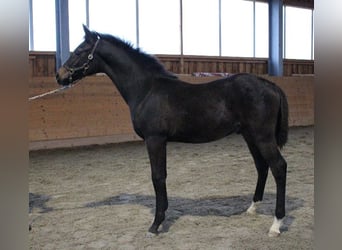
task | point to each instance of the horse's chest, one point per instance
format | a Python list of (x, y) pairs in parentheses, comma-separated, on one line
[(150, 119)]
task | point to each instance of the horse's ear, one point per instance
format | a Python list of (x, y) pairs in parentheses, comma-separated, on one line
[(89, 36)]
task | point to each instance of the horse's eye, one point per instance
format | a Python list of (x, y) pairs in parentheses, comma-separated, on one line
[(79, 51)]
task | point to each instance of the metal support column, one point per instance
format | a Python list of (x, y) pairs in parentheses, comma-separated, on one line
[(220, 28), (275, 58), (181, 70), (31, 41), (62, 32), (137, 22), (87, 13)]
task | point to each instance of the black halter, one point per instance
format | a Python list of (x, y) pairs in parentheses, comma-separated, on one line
[(85, 66)]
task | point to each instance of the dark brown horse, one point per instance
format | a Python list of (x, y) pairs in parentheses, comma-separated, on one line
[(164, 108)]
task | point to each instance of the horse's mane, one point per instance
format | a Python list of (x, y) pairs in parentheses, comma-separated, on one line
[(153, 65)]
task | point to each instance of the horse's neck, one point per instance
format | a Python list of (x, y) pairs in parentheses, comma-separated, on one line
[(129, 79)]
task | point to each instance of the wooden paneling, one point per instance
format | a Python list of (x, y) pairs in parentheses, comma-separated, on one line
[(43, 64), (298, 67), (92, 108), (300, 95), (93, 112), (215, 64)]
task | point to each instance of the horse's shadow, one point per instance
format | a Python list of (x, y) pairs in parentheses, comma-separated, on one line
[(39, 201), (209, 206)]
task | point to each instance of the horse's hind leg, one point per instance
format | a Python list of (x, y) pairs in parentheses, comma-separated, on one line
[(262, 169), (278, 165), (156, 147)]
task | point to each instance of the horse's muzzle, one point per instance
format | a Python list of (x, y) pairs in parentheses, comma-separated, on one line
[(63, 76)]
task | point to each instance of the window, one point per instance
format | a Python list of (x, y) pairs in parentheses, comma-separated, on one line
[(297, 33), (44, 25), (159, 26), (77, 17), (261, 30), (115, 17), (237, 28), (200, 27)]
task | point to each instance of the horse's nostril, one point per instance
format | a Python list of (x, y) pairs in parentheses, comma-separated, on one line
[(57, 78), (62, 76)]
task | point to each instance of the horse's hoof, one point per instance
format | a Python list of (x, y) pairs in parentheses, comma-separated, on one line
[(150, 235), (251, 210), (273, 233), (275, 228), (153, 230), (253, 207)]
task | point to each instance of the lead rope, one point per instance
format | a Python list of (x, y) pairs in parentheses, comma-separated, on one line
[(53, 91)]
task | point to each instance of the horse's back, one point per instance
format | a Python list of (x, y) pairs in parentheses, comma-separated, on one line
[(205, 112)]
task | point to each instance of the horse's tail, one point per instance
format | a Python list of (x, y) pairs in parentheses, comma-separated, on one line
[(283, 122)]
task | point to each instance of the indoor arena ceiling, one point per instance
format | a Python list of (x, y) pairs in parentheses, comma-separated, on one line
[(296, 3)]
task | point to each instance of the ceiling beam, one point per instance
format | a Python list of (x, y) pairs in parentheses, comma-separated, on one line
[(308, 4)]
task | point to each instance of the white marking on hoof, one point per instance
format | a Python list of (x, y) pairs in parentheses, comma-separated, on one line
[(275, 228), (253, 207)]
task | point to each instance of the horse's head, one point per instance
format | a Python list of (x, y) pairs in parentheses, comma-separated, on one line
[(82, 62)]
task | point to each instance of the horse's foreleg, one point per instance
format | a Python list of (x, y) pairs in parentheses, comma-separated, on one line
[(156, 147)]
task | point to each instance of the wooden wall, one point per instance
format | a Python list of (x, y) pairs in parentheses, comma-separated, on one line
[(43, 64), (93, 112)]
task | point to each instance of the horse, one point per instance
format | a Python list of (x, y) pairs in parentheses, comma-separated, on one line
[(163, 108)]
